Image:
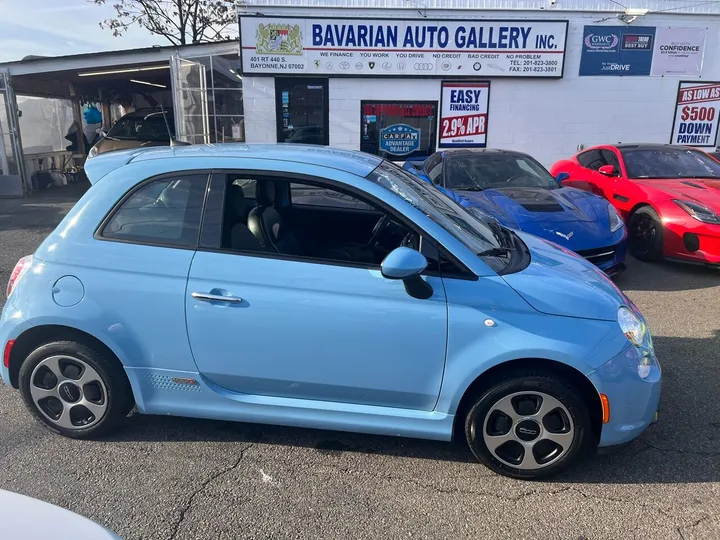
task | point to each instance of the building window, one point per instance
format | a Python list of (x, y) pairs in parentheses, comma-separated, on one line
[(398, 130)]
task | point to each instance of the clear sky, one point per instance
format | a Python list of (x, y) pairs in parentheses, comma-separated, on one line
[(61, 27)]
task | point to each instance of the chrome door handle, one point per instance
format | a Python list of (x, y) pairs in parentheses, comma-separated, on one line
[(216, 298)]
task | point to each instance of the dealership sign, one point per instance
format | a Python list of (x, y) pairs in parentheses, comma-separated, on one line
[(642, 50), (377, 47), (464, 114), (696, 114)]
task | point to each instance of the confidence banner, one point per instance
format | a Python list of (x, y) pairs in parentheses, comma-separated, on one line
[(464, 114), (679, 52), (696, 114), (420, 48)]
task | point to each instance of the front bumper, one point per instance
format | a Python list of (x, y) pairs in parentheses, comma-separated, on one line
[(12, 325), (692, 241), (633, 400), (610, 260)]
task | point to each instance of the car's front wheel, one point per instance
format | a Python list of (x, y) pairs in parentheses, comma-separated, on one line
[(74, 390), (529, 426), (645, 235)]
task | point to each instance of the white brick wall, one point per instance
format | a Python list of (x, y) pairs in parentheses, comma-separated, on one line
[(546, 118), (259, 106)]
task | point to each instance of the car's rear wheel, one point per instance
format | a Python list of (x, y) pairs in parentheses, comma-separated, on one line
[(645, 236), (529, 426), (74, 390)]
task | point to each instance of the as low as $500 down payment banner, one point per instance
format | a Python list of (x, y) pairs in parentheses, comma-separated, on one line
[(696, 114), (464, 114), (421, 47)]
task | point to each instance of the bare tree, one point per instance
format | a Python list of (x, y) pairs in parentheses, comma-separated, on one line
[(181, 22)]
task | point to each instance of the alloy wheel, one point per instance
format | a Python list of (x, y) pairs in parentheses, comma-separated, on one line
[(68, 392), (528, 430), (643, 233)]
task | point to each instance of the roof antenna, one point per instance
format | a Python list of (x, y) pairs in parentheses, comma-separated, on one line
[(167, 125)]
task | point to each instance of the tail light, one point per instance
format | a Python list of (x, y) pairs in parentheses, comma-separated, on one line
[(20, 268)]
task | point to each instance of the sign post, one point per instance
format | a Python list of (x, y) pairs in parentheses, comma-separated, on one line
[(464, 114), (697, 110)]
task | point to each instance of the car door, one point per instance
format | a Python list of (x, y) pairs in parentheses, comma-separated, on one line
[(587, 177), (623, 190), (303, 328)]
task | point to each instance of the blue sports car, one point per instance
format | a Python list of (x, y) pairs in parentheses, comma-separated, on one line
[(521, 194), (320, 288)]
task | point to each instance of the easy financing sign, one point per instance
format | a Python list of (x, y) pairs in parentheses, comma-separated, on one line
[(696, 114), (464, 114), (427, 48)]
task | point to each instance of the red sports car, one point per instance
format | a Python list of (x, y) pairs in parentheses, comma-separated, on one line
[(668, 195)]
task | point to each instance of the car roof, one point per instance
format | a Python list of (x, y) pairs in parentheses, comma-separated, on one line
[(648, 146), (476, 151), (147, 110), (350, 161)]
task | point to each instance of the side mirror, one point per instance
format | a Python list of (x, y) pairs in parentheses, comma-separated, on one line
[(407, 264), (561, 177), (607, 170)]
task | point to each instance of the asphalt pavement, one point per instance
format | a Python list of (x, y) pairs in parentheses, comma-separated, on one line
[(166, 478)]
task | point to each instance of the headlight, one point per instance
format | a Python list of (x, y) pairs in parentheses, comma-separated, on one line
[(631, 325), (93, 152), (616, 221), (698, 211)]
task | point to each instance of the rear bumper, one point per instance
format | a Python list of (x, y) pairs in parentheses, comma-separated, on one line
[(12, 325)]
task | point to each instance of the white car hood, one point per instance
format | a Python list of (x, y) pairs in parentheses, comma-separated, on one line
[(25, 518)]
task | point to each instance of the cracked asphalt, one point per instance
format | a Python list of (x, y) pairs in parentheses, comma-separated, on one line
[(174, 478)]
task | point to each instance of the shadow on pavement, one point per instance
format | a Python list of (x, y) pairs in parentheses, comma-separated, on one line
[(682, 447), (43, 209), (666, 276)]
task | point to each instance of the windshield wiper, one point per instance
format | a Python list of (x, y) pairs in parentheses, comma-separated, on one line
[(697, 177), (495, 252), (467, 188)]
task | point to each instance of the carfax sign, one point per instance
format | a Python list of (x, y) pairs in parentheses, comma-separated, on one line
[(696, 114), (400, 139), (464, 114), (377, 47)]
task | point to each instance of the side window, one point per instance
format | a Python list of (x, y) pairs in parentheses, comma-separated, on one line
[(164, 212), (435, 173), (291, 231), (592, 159), (431, 162), (307, 195), (611, 159)]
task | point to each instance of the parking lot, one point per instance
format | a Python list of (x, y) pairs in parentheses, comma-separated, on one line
[(165, 478)]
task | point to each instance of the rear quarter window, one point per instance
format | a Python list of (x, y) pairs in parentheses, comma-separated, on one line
[(164, 212)]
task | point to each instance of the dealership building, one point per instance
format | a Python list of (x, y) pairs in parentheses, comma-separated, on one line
[(544, 77), (403, 78)]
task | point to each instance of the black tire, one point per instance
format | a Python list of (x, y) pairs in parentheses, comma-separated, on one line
[(583, 441), (645, 235), (118, 399)]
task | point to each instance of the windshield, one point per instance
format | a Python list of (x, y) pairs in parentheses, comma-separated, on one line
[(477, 232), (478, 171), (660, 163), (140, 128)]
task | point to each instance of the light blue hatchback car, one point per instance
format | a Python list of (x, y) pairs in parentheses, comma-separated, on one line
[(313, 287)]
